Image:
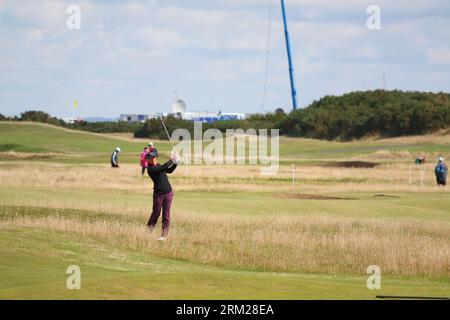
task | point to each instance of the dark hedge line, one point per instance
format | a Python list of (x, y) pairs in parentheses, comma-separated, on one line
[(358, 114)]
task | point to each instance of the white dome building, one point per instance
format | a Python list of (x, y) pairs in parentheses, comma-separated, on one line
[(179, 107), (179, 110)]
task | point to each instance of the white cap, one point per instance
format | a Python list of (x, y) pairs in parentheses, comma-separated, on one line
[(441, 159), (150, 144), (118, 149)]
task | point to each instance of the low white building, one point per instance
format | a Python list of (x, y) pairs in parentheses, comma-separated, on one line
[(207, 116), (179, 110), (70, 120), (133, 117)]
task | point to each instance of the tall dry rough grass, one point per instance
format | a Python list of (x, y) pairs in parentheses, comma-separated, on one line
[(395, 177), (314, 244), (288, 244)]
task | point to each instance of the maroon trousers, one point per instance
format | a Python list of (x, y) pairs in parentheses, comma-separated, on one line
[(161, 201)]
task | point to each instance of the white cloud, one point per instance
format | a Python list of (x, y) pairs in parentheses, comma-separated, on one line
[(136, 53), (45, 13), (438, 56), (35, 35)]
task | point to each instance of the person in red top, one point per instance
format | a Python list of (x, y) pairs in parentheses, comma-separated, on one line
[(143, 160)]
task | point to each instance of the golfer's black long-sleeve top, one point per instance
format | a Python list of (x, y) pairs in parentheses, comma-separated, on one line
[(158, 174)]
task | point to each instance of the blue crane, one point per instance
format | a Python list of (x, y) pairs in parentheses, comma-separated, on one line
[(288, 48)]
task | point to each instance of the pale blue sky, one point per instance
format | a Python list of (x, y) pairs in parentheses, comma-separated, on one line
[(130, 56)]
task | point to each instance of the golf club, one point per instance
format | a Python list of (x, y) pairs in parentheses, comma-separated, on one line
[(168, 136), (167, 132)]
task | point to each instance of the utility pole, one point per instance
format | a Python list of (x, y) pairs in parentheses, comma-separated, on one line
[(288, 48)]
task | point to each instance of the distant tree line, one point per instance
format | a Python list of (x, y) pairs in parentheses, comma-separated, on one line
[(350, 116), (99, 127), (104, 127), (154, 129), (358, 114), (35, 116)]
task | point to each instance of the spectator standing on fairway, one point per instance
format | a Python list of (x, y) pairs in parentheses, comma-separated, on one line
[(162, 191), (441, 171), (143, 160), (115, 158)]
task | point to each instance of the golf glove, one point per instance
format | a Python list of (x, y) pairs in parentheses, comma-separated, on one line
[(175, 159)]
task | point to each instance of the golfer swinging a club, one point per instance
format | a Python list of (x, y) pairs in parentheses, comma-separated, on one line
[(162, 191)]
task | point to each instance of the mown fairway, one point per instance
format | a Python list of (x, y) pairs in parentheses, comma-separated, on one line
[(235, 233)]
